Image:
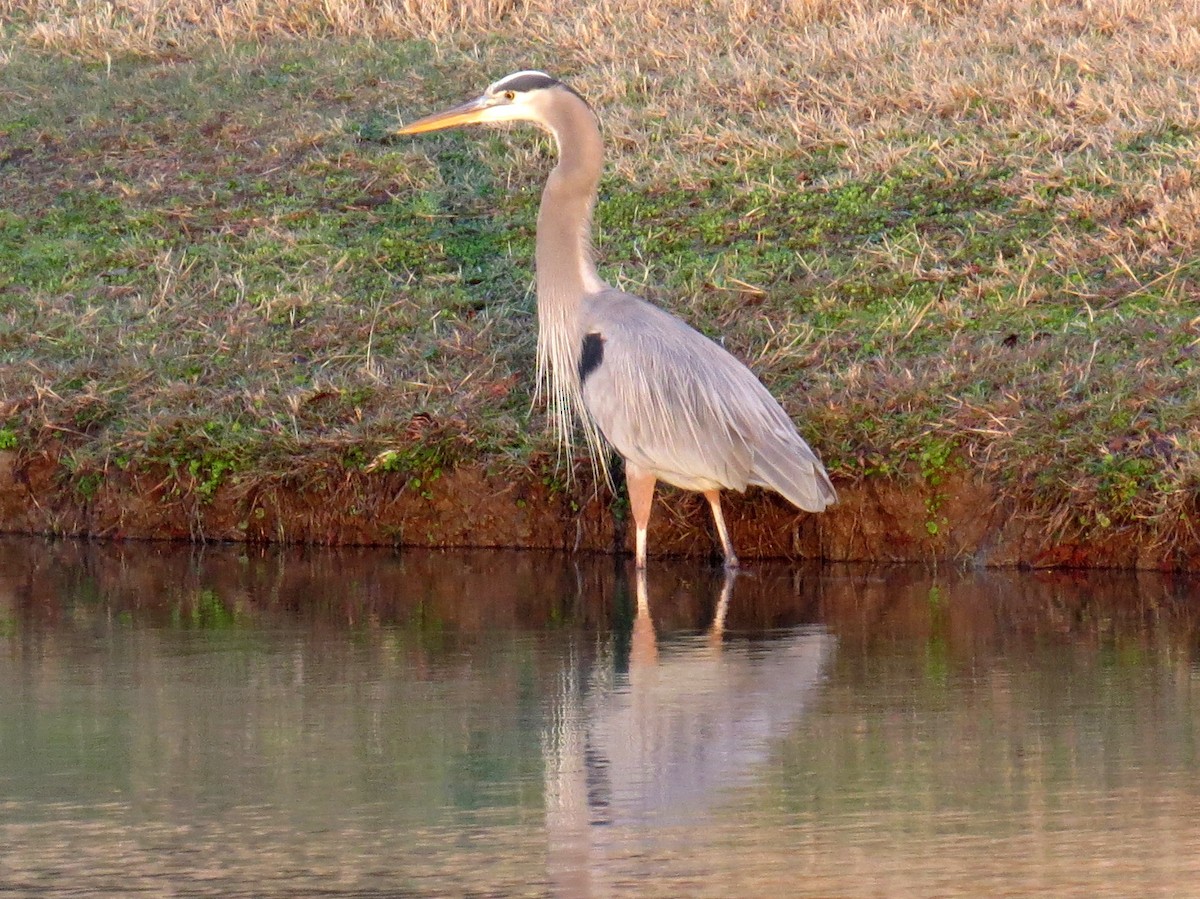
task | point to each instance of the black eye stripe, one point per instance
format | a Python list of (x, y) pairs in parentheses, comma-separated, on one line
[(524, 81)]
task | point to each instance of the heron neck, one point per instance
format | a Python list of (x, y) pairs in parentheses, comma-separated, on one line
[(565, 267), (566, 273)]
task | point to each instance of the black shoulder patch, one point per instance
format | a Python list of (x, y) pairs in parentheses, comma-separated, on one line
[(591, 357), (525, 81)]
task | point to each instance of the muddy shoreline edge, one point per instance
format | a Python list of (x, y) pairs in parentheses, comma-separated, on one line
[(963, 520)]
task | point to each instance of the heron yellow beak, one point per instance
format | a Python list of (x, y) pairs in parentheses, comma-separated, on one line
[(464, 114)]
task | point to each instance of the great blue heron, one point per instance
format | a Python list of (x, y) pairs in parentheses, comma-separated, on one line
[(675, 405)]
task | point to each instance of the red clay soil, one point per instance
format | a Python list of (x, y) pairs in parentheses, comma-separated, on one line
[(875, 520)]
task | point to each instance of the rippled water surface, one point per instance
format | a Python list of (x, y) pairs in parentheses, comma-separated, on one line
[(230, 722)]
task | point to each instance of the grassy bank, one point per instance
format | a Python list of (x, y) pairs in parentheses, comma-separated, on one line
[(947, 236)]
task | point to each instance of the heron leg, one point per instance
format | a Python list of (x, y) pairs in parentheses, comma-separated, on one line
[(714, 500), (641, 495)]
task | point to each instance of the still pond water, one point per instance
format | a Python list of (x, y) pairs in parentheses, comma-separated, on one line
[(231, 722)]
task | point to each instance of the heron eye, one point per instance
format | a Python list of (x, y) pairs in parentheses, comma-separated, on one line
[(510, 95)]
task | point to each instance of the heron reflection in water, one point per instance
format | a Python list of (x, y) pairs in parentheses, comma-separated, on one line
[(631, 757), (675, 405)]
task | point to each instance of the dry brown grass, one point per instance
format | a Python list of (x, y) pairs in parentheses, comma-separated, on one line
[(736, 77)]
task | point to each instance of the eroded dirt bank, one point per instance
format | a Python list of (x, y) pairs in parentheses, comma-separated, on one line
[(964, 519)]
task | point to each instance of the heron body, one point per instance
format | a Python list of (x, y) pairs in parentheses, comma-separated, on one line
[(675, 405)]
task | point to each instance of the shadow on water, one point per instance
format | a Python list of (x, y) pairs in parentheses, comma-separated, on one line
[(233, 721)]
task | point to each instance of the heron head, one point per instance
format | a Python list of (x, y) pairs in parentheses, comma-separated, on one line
[(520, 97)]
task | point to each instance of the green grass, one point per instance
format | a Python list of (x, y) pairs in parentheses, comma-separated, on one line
[(211, 288), (215, 262)]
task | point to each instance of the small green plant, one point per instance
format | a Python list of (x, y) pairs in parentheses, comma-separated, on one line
[(355, 458), (387, 461), (934, 523), (208, 473), (88, 484), (1121, 479), (420, 459), (8, 439), (934, 460)]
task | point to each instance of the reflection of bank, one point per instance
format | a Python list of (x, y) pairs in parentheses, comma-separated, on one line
[(666, 744)]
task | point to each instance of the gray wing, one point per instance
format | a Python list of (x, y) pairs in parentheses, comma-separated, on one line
[(675, 403)]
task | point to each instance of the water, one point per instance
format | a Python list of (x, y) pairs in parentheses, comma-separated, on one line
[(228, 722)]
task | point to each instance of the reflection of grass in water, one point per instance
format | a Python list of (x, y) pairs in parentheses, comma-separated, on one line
[(206, 611), (937, 648), (423, 620)]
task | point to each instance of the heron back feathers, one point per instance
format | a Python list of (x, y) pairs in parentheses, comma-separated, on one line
[(679, 405)]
